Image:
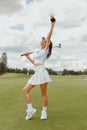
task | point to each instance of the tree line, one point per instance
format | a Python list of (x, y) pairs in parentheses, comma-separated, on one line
[(4, 68), (72, 72)]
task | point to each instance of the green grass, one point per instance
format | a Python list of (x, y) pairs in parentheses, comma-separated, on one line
[(67, 108)]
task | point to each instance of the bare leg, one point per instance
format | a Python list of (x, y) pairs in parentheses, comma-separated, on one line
[(44, 101), (44, 94), (30, 111), (26, 91)]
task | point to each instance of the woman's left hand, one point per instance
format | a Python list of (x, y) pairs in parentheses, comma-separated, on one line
[(26, 54)]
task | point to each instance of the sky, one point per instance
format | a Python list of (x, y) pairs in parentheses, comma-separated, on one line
[(24, 22)]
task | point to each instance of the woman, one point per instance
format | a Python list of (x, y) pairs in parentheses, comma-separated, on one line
[(41, 76)]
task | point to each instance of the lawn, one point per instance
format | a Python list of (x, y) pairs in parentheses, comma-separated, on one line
[(67, 108)]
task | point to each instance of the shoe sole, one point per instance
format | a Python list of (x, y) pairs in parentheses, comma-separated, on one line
[(31, 114), (43, 118)]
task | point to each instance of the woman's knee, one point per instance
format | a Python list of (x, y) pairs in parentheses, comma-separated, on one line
[(27, 88), (44, 94), (24, 90)]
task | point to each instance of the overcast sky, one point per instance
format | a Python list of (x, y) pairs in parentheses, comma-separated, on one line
[(24, 22)]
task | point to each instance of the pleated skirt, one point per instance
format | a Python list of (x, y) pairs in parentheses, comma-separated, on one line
[(40, 76)]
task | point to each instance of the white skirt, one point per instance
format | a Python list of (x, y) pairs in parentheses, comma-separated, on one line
[(41, 76)]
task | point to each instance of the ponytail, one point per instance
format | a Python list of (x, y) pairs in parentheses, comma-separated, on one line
[(50, 50)]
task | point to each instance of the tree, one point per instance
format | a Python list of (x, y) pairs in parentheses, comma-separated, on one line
[(31, 71), (3, 63), (4, 59), (2, 68), (25, 70), (65, 72)]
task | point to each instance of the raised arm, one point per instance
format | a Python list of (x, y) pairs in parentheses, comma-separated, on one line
[(49, 35)]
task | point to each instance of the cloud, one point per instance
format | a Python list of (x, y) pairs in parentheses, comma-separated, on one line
[(84, 38), (72, 22), (19, 27), (13, 49), (28, 2), (74, 15), (9, 6), (23, 23)]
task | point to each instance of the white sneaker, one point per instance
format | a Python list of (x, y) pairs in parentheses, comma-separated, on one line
[(43, 115), (30, 113)]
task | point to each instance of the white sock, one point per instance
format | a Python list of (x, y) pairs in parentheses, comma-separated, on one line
[(44, 108), (29, 106)]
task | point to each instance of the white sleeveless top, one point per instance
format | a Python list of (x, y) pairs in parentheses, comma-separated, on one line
[(40, 56)]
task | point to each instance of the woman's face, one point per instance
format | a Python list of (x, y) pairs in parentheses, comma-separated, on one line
[(43, 43)]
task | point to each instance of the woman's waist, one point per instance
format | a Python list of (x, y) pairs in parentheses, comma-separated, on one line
[(38, 64)]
